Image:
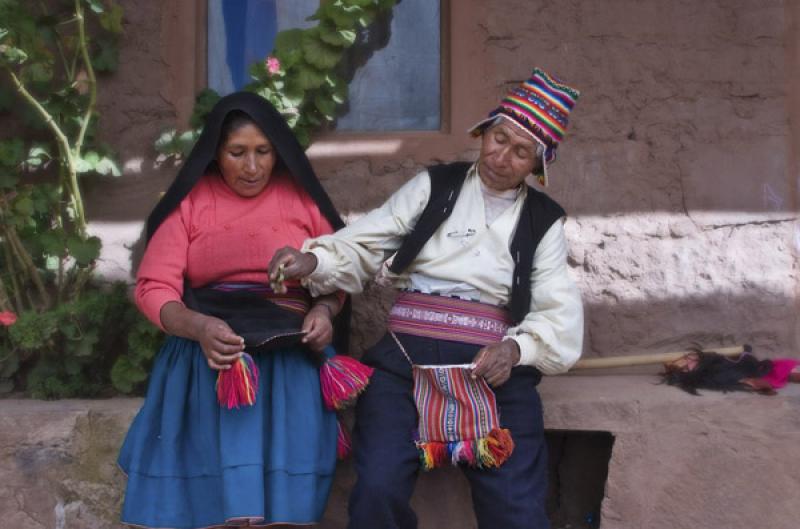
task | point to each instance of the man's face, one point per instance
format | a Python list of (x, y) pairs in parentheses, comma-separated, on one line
[(508, 155)]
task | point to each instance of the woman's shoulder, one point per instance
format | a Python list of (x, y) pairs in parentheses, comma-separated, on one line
[(287, 187)]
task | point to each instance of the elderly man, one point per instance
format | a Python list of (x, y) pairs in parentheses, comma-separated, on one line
[(479, 258)]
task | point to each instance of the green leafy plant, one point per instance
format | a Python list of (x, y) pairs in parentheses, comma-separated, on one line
[(301, 76), (55, 319)]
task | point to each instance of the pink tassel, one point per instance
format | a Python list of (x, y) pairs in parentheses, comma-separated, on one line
[(238, 385), (343, 445), (341, 379)]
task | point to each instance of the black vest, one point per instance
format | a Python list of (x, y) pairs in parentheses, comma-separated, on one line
[(538, 214)]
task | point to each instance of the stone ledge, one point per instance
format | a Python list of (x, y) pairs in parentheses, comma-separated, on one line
[(678, 461)]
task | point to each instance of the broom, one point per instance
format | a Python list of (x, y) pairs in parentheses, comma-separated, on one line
[(649, 359)]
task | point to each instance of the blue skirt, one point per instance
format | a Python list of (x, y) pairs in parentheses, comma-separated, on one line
[(193, 464)]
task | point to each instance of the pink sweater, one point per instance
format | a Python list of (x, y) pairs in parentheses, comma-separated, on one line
[(216, 235)]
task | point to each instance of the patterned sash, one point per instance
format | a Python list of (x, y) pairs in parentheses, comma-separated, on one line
[(295, 299), (445, 318), (458, 419)]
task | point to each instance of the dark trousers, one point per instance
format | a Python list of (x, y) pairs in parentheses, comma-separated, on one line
[(387, 461)]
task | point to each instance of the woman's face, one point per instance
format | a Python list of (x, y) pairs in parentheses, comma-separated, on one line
[(246, 160)]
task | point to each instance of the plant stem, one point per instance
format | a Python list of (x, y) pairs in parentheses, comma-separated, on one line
[(87, 117), (63, 144), (12, 272), (83, 45), (25, 259), (5, 302)]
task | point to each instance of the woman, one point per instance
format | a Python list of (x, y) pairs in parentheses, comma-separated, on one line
[(246, 190)]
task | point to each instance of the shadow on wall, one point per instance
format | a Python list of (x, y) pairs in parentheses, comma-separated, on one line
[(638, 327)]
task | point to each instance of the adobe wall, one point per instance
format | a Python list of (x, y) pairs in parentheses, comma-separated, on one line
[(678, 169)]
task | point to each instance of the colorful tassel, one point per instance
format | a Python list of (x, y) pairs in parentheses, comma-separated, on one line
[(500, 445), (238, 385), (488, 452), (343, 445), (341, 379)]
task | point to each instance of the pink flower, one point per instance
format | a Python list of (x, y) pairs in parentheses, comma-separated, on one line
[(7, 318), (273, 65)]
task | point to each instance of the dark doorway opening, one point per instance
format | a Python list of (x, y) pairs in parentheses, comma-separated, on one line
[(578, 469)]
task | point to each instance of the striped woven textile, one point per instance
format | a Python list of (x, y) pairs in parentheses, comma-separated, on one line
[(458, 419), (447, 318), (542, 102), (295, 299), (455, 407)]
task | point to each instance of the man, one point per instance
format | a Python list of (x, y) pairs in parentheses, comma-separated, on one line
[(480, 259)]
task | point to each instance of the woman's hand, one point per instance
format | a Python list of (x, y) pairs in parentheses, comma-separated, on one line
[(319, 327), (296, 264), (220, 344)]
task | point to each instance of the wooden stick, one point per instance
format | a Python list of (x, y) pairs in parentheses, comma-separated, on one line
[(640, 360)]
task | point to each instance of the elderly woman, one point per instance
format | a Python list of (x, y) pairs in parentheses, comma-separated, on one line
[(246, 190)]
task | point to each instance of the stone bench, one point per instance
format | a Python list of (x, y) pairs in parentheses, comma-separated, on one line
[(716, 461)]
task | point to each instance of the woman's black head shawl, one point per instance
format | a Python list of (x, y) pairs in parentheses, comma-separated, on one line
[(204, 151), (289, 151)]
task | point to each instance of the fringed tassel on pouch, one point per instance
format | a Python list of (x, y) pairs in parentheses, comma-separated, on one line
[(342, 379), (488, 452), (238, 385)]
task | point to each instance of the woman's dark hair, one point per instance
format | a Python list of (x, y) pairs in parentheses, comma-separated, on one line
[(714, 371), (235, 120)]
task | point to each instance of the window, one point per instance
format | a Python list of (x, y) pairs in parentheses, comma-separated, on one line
[(394, 66)]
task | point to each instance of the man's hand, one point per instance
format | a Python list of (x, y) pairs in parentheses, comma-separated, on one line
[(494, 362), (317, 324), (296, 264), (220, 344)]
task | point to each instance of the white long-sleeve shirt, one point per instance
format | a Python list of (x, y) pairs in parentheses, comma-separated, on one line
[(464, 257)]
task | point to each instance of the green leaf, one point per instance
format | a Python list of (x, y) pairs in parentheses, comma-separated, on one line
[(187, 140), (289, 39), (302, 136), (83, 251), (85, 346), (107, 58), (8, 180), (82, 166), (12, 54), (203, 104), (107, 166), (165, 142), (52, 242), (125, 374), (8, 365), (308, 78), (24, 206), (337, 37), (95, 5), (11, 152), (111, 20), (37, 155), (6, 99), (3, 33), (37, 72), (343, 16), (326, 106), (319, 54)]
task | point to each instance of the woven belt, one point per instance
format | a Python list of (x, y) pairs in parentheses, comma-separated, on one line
[(295, 299), (447, 318)]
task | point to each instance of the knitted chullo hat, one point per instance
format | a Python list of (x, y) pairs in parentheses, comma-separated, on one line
[(540, 107)]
